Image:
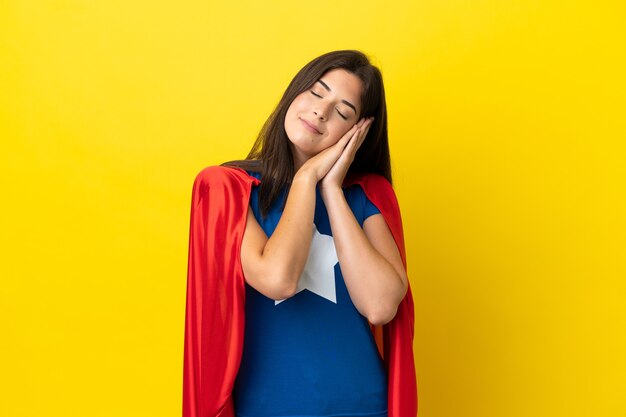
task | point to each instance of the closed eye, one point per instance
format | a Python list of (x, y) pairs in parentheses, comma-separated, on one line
[(317, 95)]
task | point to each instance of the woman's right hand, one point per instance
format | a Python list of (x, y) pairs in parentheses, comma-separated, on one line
[(318, 166)]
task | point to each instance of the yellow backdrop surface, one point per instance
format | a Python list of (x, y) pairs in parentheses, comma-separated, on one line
[(506, 123)]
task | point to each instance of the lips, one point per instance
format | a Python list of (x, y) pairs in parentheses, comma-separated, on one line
[(310, 127)]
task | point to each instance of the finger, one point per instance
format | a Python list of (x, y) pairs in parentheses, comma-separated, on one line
[(365, 132), (350, 133), (366, 127), (355, 141), (362, 135), (361, 132), (359, 136), (347, 138), (342, 145), (347, 142)]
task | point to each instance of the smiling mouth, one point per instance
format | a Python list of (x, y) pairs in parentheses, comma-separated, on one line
[(309, 127)]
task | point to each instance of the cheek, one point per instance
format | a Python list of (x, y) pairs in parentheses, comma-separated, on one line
[(335, 135), (299, 102), (341, 130)]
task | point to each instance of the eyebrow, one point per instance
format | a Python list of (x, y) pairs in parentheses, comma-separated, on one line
[(343, 101)]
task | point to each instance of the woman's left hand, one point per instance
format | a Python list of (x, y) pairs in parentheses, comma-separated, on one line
[(336, 174)]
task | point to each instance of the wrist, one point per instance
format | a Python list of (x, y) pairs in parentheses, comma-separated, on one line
[(306, 177), (331, 191)]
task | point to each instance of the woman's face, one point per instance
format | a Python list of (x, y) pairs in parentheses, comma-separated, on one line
[(332, 105)]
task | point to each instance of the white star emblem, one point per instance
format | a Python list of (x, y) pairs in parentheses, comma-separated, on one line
[(319, 271)]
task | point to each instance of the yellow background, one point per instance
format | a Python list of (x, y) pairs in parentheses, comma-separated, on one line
[(506, 123)]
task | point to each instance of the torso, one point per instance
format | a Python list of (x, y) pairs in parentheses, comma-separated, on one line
[(313, 354)]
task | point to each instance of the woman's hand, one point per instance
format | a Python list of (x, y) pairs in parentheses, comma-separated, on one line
[(318, 165), (336, 174)]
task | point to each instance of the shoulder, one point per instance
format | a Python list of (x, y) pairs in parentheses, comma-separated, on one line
[(371, 183), (380, 192), (220, 176), (216, 174)]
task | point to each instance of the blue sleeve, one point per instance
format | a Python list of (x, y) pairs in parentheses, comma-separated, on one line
[(361, 206), (370, 208)]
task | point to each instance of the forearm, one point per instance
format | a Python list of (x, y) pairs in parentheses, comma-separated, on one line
[(288, 246), (374, 285)]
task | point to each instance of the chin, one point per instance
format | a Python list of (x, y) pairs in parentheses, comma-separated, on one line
[(304, 150)]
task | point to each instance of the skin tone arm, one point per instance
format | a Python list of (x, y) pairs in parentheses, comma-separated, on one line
[(370, 261), (273, 265)]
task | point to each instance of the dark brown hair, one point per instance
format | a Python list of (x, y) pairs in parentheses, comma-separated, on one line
[(271, 155)]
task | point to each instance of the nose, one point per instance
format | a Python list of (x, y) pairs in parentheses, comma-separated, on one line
[(321, 113), (322, 108)]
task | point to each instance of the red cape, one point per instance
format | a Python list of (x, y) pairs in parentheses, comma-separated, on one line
[(215, 315)]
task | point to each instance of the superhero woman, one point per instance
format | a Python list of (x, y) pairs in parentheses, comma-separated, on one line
[(298, 301)]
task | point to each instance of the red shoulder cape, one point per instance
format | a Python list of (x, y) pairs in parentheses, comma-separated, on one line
[(215, 315)]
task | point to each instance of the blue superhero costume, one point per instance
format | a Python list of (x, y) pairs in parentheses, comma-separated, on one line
[(313, 354)]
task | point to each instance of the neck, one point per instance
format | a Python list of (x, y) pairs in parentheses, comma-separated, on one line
[(298, 159)]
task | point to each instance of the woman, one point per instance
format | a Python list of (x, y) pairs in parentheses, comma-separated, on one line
[(298, 301)]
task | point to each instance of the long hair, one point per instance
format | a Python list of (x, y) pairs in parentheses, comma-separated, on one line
[(271, 155)]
